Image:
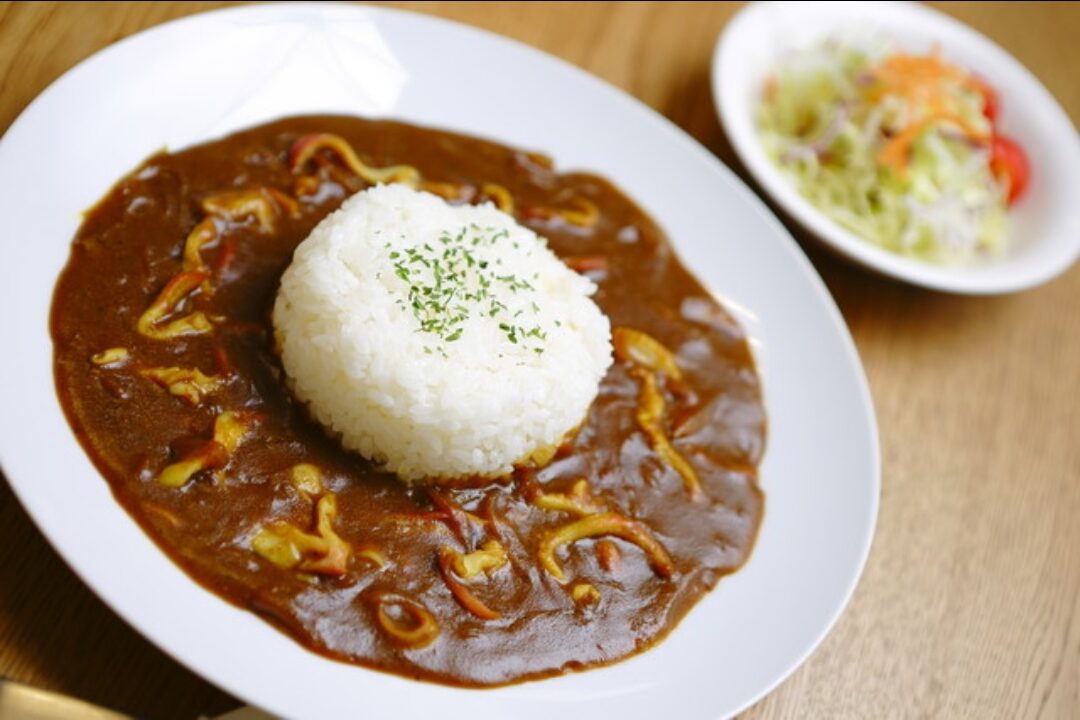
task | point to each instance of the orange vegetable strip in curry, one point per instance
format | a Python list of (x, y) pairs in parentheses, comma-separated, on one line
[(210, 456), (461, 593), (174, 292), (189, 384), (578, 501), (226, 256), (453, 515), (502, 197), (261, 203), (487, 512), (305, 148), (424, 630), (607, 554), (608, 523), (586, 263), (203, 234), (334, 551), (582, 213), (642, 349), (229, 430), (650, 415)]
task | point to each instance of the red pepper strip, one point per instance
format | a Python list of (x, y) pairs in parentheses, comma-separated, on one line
[(607, 553), (454, 516), (461, 593), (428, 515), (487, 512), (525, 479), (582, 213), (226, 256), (287, 203), (305, 148), (586, 264), (221, 361)]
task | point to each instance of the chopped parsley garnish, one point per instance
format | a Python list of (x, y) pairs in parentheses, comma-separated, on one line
[(449, 282)]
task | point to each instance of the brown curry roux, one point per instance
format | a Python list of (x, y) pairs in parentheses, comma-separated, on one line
[(131, 245)]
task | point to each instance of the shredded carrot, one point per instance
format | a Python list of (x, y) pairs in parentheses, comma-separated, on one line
[(926, 82), (896, 152), (918, 79)]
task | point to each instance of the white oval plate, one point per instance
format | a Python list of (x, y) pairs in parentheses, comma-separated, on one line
[(204, 76), (1045, 237)]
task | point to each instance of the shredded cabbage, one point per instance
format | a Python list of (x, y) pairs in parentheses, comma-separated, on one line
[(892, 147)]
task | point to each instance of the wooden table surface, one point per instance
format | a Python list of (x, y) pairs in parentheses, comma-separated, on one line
[(970, 603)]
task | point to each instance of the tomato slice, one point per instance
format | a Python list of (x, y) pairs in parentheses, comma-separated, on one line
[(1009, 162), (991, 99)]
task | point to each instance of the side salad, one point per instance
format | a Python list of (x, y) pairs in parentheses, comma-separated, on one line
[(901, 149)]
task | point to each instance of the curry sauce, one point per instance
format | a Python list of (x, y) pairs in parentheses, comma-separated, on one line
[(166, 368)]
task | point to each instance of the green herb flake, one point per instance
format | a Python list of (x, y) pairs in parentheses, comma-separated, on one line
[(447, 284)]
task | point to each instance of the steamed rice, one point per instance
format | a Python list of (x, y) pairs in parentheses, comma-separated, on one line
[(497, 374)]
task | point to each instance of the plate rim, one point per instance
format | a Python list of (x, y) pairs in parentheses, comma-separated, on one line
[(660, 124)]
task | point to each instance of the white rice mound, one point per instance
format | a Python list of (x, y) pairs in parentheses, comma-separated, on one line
[(424, 403)]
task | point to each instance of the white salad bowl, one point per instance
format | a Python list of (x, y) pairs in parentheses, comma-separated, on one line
[(1045, 224)]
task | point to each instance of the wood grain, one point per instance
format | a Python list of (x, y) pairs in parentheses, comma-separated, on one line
[(970, 604)]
